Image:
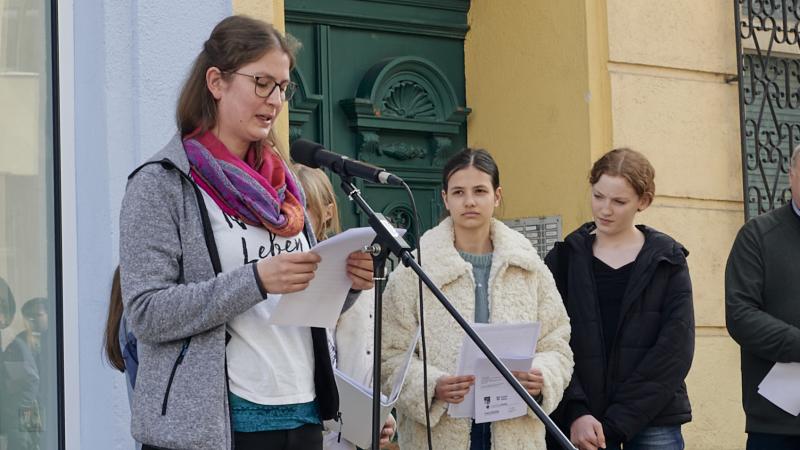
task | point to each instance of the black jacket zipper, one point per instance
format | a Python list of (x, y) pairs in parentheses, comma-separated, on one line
[(178, 361)]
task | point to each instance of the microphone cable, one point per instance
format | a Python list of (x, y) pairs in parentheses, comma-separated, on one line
[(417, 238)]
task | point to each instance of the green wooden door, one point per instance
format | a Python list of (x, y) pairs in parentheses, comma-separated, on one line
[(383, 81)]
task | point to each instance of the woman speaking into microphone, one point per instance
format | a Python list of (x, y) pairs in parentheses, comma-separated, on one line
[(197, 291)]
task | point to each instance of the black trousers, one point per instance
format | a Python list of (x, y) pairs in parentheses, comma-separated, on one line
[(307, 437), (764, 441)]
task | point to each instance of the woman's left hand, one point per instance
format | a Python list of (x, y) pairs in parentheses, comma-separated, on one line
[(388, 431), (532, 381), (359, 269)]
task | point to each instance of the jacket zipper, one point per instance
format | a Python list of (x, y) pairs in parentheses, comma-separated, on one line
[(178, 361)]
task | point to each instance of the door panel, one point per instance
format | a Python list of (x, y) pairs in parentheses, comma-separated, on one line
[(383, 81)]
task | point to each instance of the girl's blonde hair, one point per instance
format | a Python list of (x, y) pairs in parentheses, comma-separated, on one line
[(319, 194)]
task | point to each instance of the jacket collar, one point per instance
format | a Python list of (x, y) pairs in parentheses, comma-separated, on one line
[(657, 245), (174, 152), (510, 249)]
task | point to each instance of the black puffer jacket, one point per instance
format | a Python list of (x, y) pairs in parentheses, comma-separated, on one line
[(640, 382)]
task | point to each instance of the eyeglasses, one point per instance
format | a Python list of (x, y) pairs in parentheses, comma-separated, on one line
[(265, 86)]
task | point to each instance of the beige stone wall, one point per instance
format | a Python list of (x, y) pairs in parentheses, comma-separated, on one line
[(531, 103), (667, 65)]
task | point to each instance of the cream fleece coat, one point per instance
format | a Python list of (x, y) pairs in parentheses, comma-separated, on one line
[(521, 289)]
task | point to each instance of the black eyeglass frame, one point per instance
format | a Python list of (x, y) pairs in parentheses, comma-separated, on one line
[(287, 90)]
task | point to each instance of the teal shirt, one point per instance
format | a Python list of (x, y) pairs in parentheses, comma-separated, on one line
[(249, 417), (481, 267)]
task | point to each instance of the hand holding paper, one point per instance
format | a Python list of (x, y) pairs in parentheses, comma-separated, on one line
[(453, 389), (320, 304), (532, 380), (495, 398), (509, 342)]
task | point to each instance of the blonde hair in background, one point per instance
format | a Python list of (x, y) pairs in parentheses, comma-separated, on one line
[(319, 195), (795, 157)]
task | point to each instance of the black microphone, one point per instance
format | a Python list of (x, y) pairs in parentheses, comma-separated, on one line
[(314, 155)]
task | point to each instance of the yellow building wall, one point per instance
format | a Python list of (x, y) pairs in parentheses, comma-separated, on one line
[(668, 63), (531, 103), (553, 85)]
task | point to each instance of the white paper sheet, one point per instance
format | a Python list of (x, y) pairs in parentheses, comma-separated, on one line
[(504, 340), (495, 398), (781, 386), (320, 304), (355, 403)]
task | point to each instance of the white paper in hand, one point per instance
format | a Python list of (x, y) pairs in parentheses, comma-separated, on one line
[(781, 386), (495, 398), (320, 304), (504, 340)]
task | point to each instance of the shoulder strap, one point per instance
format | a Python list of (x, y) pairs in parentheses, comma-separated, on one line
[(208, 233)]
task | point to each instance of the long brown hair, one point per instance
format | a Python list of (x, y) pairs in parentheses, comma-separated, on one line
[(112, 350), (234, 42)]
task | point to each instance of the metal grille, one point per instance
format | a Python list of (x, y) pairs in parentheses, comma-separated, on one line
[(543, 232), (769, 98)]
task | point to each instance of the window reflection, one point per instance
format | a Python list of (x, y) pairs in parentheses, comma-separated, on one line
[(28, 375)]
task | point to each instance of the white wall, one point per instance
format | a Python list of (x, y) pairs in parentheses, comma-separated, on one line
[(130, 58)]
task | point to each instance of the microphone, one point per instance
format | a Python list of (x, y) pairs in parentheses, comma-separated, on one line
[(314, 155)]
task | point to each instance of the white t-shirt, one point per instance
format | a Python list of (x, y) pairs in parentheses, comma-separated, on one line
[(267, 364)]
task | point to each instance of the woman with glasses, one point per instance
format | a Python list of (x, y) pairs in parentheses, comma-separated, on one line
[(210, 236)]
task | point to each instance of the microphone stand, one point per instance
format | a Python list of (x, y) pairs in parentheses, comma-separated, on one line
[(388, 241)]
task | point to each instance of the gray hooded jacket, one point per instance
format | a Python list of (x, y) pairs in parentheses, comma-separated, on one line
[(178, 308)]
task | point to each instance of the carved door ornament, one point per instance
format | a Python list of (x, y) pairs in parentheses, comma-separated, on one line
[(405, 110)]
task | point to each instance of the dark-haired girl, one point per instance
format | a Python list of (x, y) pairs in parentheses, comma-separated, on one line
[(491, 274), (629, 298)]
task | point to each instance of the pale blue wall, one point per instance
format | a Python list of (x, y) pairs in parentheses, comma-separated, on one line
[(130, 60)]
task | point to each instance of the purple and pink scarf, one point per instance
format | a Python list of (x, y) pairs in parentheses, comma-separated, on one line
[(265, 195)]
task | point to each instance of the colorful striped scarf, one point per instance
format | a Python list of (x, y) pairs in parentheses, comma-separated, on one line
[(266, 195)]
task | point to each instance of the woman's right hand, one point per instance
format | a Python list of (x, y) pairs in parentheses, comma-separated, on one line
[(452, 389), (287, 272), (586, 433)]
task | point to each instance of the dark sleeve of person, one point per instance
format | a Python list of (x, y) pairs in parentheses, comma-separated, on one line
[(574, 403), (653, 383), (755, 330), (22, 370)]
